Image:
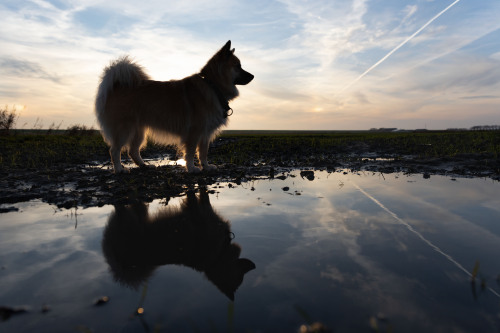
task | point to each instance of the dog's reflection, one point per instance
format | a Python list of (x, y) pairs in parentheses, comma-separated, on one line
[(135, 243)]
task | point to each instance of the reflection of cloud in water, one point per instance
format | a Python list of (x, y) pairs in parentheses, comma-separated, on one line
[(333, 273), (493, 204), (343, 236), (420, 236)]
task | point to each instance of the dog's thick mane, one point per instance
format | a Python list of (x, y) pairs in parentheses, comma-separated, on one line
[(213, 70)]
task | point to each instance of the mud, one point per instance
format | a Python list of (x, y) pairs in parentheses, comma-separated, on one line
[(84, 185)]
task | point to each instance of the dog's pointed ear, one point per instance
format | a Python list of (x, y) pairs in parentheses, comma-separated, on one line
[(227, 47)]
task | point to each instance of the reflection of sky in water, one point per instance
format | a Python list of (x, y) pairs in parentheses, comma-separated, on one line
[(326, 247)]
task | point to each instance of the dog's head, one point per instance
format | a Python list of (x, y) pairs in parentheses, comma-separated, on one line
[(240, 76), (224, 68)]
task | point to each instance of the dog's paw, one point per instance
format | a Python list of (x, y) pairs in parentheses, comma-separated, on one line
[(147, 166), (193, 169), (209, 167), (120, 169)]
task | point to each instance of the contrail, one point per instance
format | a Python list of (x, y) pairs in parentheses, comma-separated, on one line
[(400, 45)]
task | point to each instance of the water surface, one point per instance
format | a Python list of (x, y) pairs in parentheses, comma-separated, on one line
[(354, 252)]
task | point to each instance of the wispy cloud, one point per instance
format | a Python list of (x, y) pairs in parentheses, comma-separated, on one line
[(26, 69), (480, 97)]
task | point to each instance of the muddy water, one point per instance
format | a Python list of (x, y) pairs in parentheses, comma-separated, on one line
[(348, 252)]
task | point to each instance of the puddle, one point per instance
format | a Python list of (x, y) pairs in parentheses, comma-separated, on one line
[(167, 160), (350, 252), (378, 159)]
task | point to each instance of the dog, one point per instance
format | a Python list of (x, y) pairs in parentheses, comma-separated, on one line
[(189, 112), (136, 242)]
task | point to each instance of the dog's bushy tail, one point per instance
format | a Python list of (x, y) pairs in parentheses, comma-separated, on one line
[(122, 72)]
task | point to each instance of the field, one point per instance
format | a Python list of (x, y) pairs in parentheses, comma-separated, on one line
[(32, 150), (34, 164)]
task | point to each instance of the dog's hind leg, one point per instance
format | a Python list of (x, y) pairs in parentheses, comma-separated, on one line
[(134, 150), (203, 154), (116, 151)]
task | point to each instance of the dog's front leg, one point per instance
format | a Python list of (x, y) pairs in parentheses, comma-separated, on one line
[(203, 154), (189, 157)]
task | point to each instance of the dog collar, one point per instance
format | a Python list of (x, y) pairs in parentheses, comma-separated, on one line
[(222, 100)]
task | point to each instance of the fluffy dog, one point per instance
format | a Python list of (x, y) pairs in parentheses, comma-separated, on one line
[(188, 112)]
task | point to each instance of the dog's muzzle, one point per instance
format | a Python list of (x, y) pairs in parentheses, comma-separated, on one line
[(243, 78)]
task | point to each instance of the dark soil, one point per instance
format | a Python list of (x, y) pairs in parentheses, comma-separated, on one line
[(72, 185)]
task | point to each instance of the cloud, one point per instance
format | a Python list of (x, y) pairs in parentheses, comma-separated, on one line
[(409, 10), (451, 75), (25, 69), (328, 29), (482, 97)]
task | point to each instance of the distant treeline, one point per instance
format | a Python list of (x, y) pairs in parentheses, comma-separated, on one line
[(485, 128), (473, 128)]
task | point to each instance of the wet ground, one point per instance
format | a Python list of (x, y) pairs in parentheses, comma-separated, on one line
[(307, 251), (85, 185), (358, 236)]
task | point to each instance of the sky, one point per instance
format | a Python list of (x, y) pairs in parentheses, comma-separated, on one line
[(318, 65)]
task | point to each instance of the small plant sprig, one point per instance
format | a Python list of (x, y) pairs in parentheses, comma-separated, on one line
[(475, 275), (8, 119)]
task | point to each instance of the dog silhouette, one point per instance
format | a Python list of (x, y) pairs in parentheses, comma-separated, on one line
[(135, 243)]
